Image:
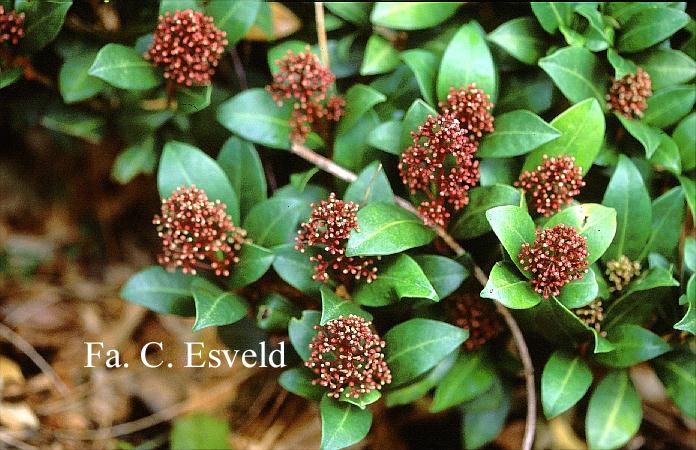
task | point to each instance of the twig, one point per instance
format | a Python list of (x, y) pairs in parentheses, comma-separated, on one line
[(331, 167), (26, 348), (321, 33)]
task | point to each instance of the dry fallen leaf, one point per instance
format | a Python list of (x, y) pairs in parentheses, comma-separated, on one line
[(284, 21)]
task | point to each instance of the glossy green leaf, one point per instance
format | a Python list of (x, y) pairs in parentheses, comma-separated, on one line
[(632, 345), (688, 322), (342, 424), (424, 65), (414, 346), (301, 332), (582, 133), (359, 100), (351, 149), (241, 163), (233, 17), (380, 57), (385, 230), (214, 307), (470, 377), (9, 76), (173, 5), (200, 431), (507, 286), (667, 216), (564, 381), (521, 38), (577, 72), (668, 105), (42, 22), (415, 116), (516, 133), (396, 279), (298, 380), (684, 135), (482, 427), (677, 370), (551, 15), (472, 221), (514, 227), (192, 99), (412, 15), (622, 66), (295, 268), (469, 44), (579, 293), (275, 311), (134, 160), (124, 68), (185, 165), (254, 262), (372, 186), (161, 291), (689, 187), (356, 13), (410, 392), (533, 91), (627, 194), (649, 137), (300, 180), (74, 81), (667, 67), (76, 123), (445, 274), (387, 137), (649, 27), (333, 306), (614, 413), (273, 222)]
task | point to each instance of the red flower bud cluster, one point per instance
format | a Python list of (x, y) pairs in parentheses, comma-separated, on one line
[(478, 316), (440, 164), (557, 257), (552, 184), (188, 45), (628, 95), (11, 26), (197, 233), (471, 106), (301, 77), (347, 355), (328, 230)]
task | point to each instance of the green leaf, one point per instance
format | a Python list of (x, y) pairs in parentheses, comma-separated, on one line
[(364, 400), (380, 57), (565, 380), (298, 380), (507, 287), (254, 262), (684, 135), (295, 268), (690, 253), (472, 221), (273, 222), (371, 186), (185, 165), (521, 38), (351, 150), (279, 51), (299, 180), (356, 13), (414, 346), (614, 413), (359, 100), (481, 427), (333, 306), (310, 194), (666, 156), (446, 275), (424, 65), (649, 136), (385, 230), (415, 116), (161, 291), (233, 17), (632, 345), (134, 160), (241, 163), (668, 105), (626, 193), (596, 223), (551, 15), (677, 370), (387, 137), (74, 81), (577, 72), (42, 22), (9, 76), (667, 216), (214, 307), (582, 133), (469, 44), (667, 67), (649, 27), (301, 332), (124, 68), (76, 123), (688, 322), (533, 91), (689, 187), (200, 431), (514, 227), (399, 278), (516, 133), (470, 377), (408, 393), (579, 293), (622, 66), (342, 424), (174, 5), (192, 99), (274, 312), (412, 15)]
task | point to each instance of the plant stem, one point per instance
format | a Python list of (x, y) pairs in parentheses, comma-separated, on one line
[(331, 167), (321, 33)]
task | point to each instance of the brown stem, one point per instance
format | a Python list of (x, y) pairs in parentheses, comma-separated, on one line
[(331, 167), (321, 34)]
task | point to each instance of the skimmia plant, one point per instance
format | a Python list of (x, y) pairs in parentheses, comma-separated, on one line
[(481, 198)]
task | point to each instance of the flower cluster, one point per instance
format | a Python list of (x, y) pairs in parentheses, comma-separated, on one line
[(592, 315), (197, 233), (347, 355), (478, 316), (188, 45), (424, 167), (11, 26), (557, 257), (552, 184), (621, 272), (328, 230), (301, 77), (471, 106), (628, 95)]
